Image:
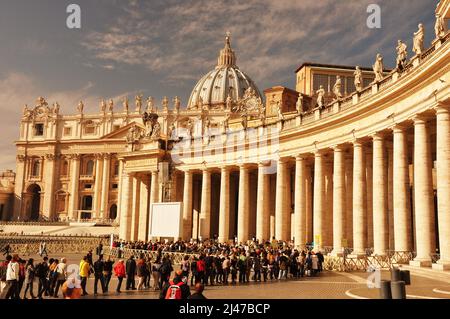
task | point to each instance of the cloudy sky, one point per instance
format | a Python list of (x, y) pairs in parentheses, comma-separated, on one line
[(162, 47)]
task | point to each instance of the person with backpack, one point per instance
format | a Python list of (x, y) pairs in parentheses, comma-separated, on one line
[(61, 275), (176, 288), (119, 270), (30, 273), (41, 273)]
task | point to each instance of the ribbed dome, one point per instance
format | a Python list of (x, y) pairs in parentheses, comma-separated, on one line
[(226, 79)]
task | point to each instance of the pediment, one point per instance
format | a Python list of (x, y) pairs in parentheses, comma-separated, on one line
[(122, 132)]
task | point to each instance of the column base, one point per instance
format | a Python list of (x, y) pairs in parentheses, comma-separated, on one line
[(336, 253), (441, 266), (420, 262), (357, 255)]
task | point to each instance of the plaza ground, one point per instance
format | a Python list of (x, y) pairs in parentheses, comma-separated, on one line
[(425, 284)]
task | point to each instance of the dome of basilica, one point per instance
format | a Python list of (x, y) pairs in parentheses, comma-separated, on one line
[(225, 80)]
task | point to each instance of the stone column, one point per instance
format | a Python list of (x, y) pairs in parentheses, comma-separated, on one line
[(300, 202), (423, 194), (402, 217), (18, 186), (339, 197), (49, 190), (205, 209), (187, 205), (390, 186), (359, 200), (380, 196), (243, 204), (121, 165), (154, 188), (282, 208), (349, 199), (369, 193), (125, 207), (263, 204), (443, 184), (327, 239), (319, 200), (74, 185), (135, 207), (309, 201), (105, 186), (224, 209), (144, 213), (97, 186)]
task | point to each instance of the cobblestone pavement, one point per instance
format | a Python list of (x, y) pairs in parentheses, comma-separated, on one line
[(328, 285)]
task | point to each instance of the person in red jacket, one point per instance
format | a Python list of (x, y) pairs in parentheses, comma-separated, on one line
[(200, 269), (119, 270)]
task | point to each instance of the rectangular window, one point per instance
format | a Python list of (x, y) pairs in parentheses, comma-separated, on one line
[(87, 186), (89, 130), (67, 131), (38, 129), (116, 127), (2, 206), (115, 186)]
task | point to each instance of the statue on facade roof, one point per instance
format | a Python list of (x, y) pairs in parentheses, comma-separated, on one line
[(418, 40), (176, 104), (402, 53), (41, 102), (80, 107), (226, 122), (299, 104), (138, 103), (280, 111), (262, 114), (337, 87), (150, 105), (55, 109), (190, 128), (378, 68), (244, 120), (320, 97), (27, 113), (125, 104), (440, 27), (110, 105), (103, 106), (228, 102), (358, 79), (165, 104)]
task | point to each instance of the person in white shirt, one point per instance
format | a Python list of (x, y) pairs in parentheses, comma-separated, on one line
[(12, 279), (61, 270)]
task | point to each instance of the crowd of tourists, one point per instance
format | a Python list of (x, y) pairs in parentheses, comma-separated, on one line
[(209, 263)]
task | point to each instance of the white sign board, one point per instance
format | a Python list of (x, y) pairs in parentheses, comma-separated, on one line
[(166, 220)]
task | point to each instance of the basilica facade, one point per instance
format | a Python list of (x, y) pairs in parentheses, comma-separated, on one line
[(353, 158)]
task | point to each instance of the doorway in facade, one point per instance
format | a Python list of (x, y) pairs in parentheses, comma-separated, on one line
[(86, 207), (35, 192), (113, 211)]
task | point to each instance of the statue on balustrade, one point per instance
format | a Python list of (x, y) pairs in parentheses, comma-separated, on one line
[(80, 107), (299, 104), (419, 37), (190, 128), (320, 97), (440, 27), (402, 53), (358, 79), (103, 106), (110, 105), (280, 111), (226, 123), (378, 68), (176, 104), (138, 103), (125, 104), (55, 109), (337, 87), (228, 102), (165, 104), (244, 121)]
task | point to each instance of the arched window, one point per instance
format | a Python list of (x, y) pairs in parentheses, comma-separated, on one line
[(35, 171), (90, 167), (64, 168)]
